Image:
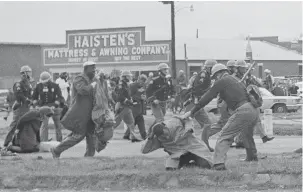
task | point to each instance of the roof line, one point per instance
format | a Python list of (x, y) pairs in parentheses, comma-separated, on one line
[(23, 43), (279, 46)]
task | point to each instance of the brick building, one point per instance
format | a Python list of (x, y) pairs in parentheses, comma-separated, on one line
[(128, 49)]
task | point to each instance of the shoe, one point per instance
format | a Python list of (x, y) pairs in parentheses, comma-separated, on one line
[(266, 138), (135, 140), (219, 167), (126, 137), (55, 156), (170, 169)]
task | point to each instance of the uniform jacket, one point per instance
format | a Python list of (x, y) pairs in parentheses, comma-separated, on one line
[(157, 83), (47, 94), (78, 117), (177, 140), (22, 91), (122, 92), (230, 90), (136, 91)]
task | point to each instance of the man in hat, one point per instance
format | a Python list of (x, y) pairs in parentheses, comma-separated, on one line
[(23, 95), (137, 92), (269, 80), (243, 119), (159, 90), (78, 118), (48, 93), (124, 103)]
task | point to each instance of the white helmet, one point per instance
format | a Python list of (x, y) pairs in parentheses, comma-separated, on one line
[(266, 71), (45, 77), (162, 66), (89, 63), (126, 73), (217, 67), (25, 68)]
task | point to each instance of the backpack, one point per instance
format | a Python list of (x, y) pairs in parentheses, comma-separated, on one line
[(254, 96)]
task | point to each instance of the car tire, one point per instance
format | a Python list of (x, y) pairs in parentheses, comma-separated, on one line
[(280, 108)]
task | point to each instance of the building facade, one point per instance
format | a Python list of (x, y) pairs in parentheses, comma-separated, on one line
[(115, 48)]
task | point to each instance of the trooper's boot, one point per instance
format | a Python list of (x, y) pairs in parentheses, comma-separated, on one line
[(251, 155), (266, 138), (205, 137), (135, 140), (126, 137)]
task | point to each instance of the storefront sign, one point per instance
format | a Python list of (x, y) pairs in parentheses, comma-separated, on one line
[(108, 46)]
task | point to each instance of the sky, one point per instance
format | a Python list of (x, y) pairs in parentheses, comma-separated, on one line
[(46, 22)]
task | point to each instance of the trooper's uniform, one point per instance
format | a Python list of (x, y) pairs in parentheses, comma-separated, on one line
[(244, 115), (161, 89), (23, 94), (123, 106), (48, 93), (136, 92), (201, 83), (252, 80)]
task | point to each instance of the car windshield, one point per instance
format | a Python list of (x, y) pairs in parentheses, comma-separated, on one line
[(265, 92)]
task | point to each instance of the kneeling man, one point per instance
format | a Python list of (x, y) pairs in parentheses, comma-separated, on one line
[(176, 137), (26, 138)]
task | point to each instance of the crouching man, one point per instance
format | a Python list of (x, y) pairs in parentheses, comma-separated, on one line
[(26, 138), (177, 138)]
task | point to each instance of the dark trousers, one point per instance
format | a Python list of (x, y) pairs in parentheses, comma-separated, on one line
[(139, 121), (75, 138)]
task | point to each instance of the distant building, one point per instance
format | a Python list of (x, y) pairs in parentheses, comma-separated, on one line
[(279, 60), (128, 49)]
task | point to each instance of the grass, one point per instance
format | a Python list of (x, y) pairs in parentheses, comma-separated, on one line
[(136, 172)]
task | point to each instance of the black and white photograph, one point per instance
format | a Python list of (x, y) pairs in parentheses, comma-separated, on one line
[(163, 96)]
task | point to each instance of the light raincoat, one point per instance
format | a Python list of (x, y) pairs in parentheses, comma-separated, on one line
[(102, 115), (178, 139)]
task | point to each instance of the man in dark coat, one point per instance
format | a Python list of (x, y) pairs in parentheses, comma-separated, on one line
[(78, 118), (22, 94), (137, 92), (26, 138)]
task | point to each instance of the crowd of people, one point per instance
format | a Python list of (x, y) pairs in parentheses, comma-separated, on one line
[(95, 104)]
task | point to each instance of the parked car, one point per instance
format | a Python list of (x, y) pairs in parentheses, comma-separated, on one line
[(279, 104), (300, 91), (3, 95)]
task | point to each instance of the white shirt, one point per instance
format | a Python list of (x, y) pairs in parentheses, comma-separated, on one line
[(63, 86)]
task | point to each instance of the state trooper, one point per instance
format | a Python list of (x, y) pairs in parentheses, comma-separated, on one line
[(124, 103), (252, 80), (231, 66), (159, 90), (242, 67), (23, 94), (243, 119), (137, 92), (48, 93), (200, 85)]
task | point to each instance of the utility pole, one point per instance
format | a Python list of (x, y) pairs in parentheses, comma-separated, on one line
[(173, 40)]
